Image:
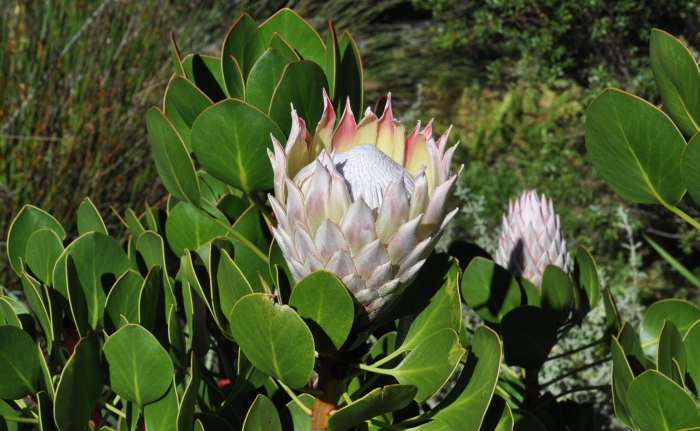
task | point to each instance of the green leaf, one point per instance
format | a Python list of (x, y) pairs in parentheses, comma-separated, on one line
[(140, 370), (671, 354), (430, 364), (466, 404), (376, 403), (29, 220), (232, 206), (19, 364), (212, 422), (245, 43), (205, 72), (586, 277), (691, 345), (683, 314), (251, 225), (122, 305), (325, 305), (43, 249), (187, 99), (657, 403), (80, 387), (439, 311), (274, 338), (99, 261), (262, 416), (149, 304), (6, 410), (678, 80), (629, 342), (490, 290), (77, 299), (281, 45), (176, 338), (622, 377), (188, 228), (612, 316), (293, 418), (235, 151), (302, 86), (690, 170), (45, 410), (350, 83), (151, 247), (525, 421), (175, 54), (172, 159), (557, 294), (232, 284), (297, 32), (185, 416), (89, 219), (264, 77), (161, 415), (35, 295), (635, 147), (498, 417), (233, 76), (529, 333), (133, 223), (332, 59)]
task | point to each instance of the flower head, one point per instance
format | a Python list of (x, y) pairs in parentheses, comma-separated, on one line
[(532, 238), (361, 201)]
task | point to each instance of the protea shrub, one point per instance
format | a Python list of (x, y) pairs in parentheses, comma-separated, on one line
[(361, 201), (531, 238)]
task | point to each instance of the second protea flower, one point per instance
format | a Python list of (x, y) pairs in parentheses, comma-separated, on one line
[(532, 238), (361, 201)]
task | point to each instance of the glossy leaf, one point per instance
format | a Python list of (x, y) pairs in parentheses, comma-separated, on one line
[(205, 72), (187, 228), (325, 304), (622, 377), (264, 77), (80, 387), (691, 346), (466, 404), (274, 338), (671, 354), (557, 294), (332, 59), (297, 32), (19, 364), (349, 76), (245, 43), (140, 370), (281, 45), (172, 159), (29, 220), (586, 276), (380, 401), (35, 296), (690, 169), (43, 249), (187, 99), (45, 409), (430, 364), (302, 86), (529, 333), (678, 80), (526, 421), (232, 284), (683, 314), (293, 418), (99, 261), (185, 415), (656, 403), (123, 300), (612, 316), (89, 219), (498, 417), (233, 76), (161, 415), (635, 147), (489, 289), (235, 151), (262, 416), (629, 342)]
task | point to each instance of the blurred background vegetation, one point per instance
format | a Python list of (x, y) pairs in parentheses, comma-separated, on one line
[(513, 77)]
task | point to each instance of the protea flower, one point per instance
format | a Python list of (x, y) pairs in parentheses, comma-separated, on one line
[(360, 201), (532, 238)]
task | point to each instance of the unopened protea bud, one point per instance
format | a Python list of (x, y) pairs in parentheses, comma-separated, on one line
[(354, 209), (531, 238)]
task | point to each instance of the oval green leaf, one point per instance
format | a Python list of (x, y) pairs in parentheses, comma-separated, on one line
[(264, 77), (187, 99), (297, 32), (376, 403), (274, 338), (172, 159), (235, 151), (635, 147), (557, 294), (262, 416), (490, 289), (188, 228), (20, 369), (670, 359), (683, 314), (89, 219), (43, 250), (140, 370), (302, 86), (244, 43), (529, 333), (325, 304), (656, 403), (29, 220), (690, 168)]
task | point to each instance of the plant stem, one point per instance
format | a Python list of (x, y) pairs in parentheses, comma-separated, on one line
[(578, 349), (326, 402), (237, 235), (576, 371), (21, 420), (532, 387), (295, 398), (113, 409), (677, 211)]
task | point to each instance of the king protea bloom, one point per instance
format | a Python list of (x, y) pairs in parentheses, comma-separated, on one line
[(361, 201), (532, 238)]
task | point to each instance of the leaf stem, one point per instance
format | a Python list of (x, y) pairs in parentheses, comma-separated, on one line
[(294, 397), (388, 358), (113, 409), (578, 349), (509, 370), (372, 369), (576, 371), (680, 213), (20, 420), (238, 236)]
